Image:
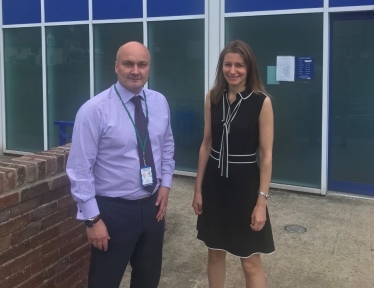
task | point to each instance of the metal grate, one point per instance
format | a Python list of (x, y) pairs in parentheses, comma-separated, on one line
[(294, 229)]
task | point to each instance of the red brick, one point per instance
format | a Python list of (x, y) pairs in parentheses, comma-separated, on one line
[(57, 267), (64, 275), (71, 246), (73, 209), (77, 231), (39, 165), (19, 277), (4, 243), (69, 224), (51, 164), (44, 236), (60, 158), (55, 218), (34, 281), (20, 172), (2, 180), (46, 261), (5, 270), (64, 284), (43, 211), (9, 199), (30, 230), (14, 252), (80, 253), (55, 194), (33, 191), (86, 260), (75, 279), (26, 259), (14, 224), (65, 202), (30, 169), (58, 182), (24, 207), (10, 176), (55, 243), (4, 215)]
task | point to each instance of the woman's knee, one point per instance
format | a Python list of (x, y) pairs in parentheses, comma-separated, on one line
[(252, 265), (216, 256)]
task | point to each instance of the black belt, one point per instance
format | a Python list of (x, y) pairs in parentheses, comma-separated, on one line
[(126, 201)]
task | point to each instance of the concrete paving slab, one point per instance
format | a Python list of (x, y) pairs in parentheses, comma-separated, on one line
[(337, 251)]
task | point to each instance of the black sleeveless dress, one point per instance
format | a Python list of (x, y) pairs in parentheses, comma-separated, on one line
[(232, 178)]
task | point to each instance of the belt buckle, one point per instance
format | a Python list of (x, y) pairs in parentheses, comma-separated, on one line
[(140, 201)]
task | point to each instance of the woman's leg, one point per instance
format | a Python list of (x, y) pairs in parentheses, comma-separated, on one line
[(216, 268), (253, 271)]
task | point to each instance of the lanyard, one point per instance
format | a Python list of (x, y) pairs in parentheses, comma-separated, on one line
[(142, 144)]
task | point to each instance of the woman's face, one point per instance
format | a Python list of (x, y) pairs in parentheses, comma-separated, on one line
[(234, 69)]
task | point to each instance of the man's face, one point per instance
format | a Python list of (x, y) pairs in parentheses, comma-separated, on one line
[(132, 66)]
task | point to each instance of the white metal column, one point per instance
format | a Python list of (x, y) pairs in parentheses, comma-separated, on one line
[(325, 97), (213, 21), (2, 94)]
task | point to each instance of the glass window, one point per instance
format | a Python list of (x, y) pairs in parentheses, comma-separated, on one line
[(23, 89), (65, 10), (177, 71), (21, 11), (157, 8), (297, 105), (117, 9), (255, 5), (68, 74), (337, 3), (106, 44)]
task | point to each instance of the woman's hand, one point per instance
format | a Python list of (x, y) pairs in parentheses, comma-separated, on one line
[(197, 203), (258, 218)]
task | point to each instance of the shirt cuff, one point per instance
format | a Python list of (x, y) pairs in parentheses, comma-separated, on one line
[(166, 180), (88, 209)]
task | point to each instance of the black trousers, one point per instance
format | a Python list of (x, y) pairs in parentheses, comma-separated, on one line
[(135, 237)]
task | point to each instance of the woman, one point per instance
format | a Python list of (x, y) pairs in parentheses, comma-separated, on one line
[(231, 191)]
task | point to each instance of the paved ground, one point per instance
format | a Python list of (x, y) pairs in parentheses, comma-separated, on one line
[(337, 251)]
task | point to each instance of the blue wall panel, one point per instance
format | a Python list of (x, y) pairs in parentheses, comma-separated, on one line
[(21, 11), (157, 8), (65, 10), (262, 5), (338, 3), (117, 9)]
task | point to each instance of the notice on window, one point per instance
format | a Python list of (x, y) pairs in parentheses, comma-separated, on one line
[(304, 68), (285, 68)]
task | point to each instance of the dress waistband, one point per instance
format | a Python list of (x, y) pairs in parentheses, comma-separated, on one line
[(235, 159)]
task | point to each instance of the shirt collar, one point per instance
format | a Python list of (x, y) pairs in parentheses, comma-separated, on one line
[(125, 94)]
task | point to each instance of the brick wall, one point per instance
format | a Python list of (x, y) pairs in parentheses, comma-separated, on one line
[(41, 242)]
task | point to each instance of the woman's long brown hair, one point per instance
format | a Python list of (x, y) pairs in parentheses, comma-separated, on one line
[(253, 76)]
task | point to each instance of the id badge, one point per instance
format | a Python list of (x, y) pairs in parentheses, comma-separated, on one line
[(146, 174)]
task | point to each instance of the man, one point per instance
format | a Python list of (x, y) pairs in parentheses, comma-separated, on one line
[(120, 167)]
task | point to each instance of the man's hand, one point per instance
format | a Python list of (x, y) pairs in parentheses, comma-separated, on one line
[(98, 235), (162, 202)]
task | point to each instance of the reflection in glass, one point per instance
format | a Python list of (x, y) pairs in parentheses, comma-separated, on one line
[(68, 75), (107, 39), (23, 89), (177, 71), (297, 105), (352, 102)]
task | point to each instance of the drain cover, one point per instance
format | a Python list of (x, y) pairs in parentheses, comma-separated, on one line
[(295, 229)]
